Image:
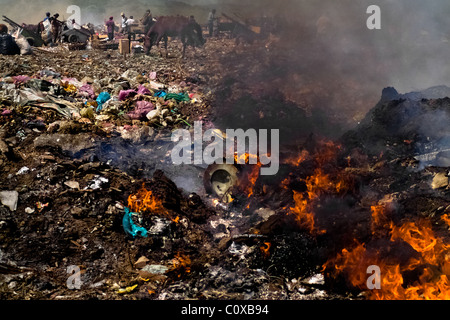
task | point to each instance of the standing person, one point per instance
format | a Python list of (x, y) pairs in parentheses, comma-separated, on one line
[(47, 24), (131, 34), (110, 25), (123, 25), (211, 19), (47, 16), (56, 27), (130, 23)]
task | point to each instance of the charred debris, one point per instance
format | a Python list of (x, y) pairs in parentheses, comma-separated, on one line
[(87, 181)]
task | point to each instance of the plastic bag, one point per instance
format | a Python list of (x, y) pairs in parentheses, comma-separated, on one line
[(124, 94), (130, 227), (141, 110), (101, 99)]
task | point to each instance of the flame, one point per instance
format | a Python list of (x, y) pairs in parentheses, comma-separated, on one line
[(285, 184), (424, 275), (446, 219), (249, 180), (245, 158), (265, 249), (327, 152), (420, 236), (349, 262), (316, 185), (252, 178), (144, 200), (379, 219), (297, 160), (181, 264), (428, 287), (176, 220), (433, 258)]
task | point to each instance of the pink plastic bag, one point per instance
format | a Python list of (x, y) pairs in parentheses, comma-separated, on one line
[(141, 110), (143, 90), (124, 94)]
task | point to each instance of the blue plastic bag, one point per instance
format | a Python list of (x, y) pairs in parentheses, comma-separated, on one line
[(160, 94), (101, 99), (130, 227)]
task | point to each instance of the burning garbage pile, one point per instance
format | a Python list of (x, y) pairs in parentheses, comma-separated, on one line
[(87, 182)]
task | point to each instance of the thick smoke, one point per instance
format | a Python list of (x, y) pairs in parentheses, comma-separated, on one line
[(325, 43)]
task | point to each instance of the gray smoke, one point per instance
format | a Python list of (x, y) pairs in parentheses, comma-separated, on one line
[(409, 52)]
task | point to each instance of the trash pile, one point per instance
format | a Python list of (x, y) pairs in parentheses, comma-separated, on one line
[(69, 123), (87, 184), (132, 96)]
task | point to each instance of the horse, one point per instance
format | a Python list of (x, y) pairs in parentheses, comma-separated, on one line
[(189, 31)]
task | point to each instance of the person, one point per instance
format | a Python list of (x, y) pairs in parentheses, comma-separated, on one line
[(56, 27), (147, 21), (129, 30), (123, 25), (46, 23), (75, 25), (47, 16), (7, 44), (130, 21), (110, 25), (211, 20)]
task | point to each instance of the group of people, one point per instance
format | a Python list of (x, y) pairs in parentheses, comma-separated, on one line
[(147, 21), (52, 27), (126, 24)]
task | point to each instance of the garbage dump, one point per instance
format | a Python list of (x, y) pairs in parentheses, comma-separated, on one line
[(91, 125)]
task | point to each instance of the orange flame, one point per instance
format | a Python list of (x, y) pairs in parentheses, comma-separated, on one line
[(176, 220), (181, 264), (431, 263), (379, 218), (432, 284), (296, 161), (316, 185), (252, 178), (144, 200), (351, 263), (245, 158), (265, 249), (421, 237), (446, 219)]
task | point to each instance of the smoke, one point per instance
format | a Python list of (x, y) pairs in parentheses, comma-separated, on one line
[(327, 57), (331, 65)]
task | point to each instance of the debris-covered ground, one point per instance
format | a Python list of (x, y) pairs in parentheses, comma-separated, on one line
[(86, 135)]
